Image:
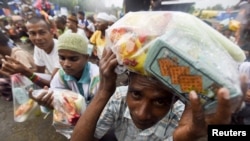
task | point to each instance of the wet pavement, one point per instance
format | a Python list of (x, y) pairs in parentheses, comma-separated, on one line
[(37, 129)]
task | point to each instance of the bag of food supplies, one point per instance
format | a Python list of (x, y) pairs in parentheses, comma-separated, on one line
[(180, 50), (24, 107), (68, 106)]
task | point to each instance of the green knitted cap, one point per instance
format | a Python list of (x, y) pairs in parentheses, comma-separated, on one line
[(73, 42)]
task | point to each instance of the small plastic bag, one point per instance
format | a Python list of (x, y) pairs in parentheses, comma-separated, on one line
[(68, 106), (24, 107)]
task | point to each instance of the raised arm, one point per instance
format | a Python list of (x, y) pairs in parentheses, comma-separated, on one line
[(85, 127)]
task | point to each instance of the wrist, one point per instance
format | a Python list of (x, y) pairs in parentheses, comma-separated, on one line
[(27, 73), (104, 93), (31, 77), (35, 78)]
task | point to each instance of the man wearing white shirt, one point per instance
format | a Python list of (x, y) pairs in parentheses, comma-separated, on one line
[(72, 24), (45, 53)]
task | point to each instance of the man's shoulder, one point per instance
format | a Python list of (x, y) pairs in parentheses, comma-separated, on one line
[(97, 33), (120, 93), (79, 30), (18, 51), (178, 108), (38, 50), (93, 67), (55, 40)]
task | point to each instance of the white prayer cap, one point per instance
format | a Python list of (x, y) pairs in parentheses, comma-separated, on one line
[(112, 18), (102, 16)]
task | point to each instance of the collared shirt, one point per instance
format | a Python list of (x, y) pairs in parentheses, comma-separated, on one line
[(85, 79), (84, 22), (116, 115), (86, 86)]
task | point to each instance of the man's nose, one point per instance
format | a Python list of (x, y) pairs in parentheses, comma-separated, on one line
[(67, 63), (37, 36), (143, 112)]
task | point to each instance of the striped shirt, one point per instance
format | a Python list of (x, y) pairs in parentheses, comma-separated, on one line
[(116, 115)]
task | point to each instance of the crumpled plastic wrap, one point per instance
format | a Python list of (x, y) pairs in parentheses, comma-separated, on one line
[(180, 50)]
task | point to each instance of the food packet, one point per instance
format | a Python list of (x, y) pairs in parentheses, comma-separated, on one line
[(68, 106), (24, 107), (200, 58)]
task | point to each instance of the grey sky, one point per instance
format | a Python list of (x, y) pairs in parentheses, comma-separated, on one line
[(199, 3)]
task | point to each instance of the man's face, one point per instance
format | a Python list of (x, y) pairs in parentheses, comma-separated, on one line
[(81, 17), (59, 24), (40, 35), (148, 101), (71, 24), (72, 62), (101, 25)]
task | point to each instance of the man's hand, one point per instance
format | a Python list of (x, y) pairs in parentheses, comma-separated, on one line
[(247, 97), (44, 99), (108, 76), (194, 122), (86, 125), (11, 66), (6, 74)]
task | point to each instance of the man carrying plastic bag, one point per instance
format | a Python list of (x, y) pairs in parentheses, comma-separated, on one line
[(150, 108), (72, 87)]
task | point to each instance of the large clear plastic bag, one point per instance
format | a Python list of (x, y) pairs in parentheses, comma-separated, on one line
[(180, 50), (68, 106), (24, 107)]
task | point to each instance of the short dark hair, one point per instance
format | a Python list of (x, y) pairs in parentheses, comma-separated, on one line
[(37, 19), (4, 39), (81, 13), (72, 17), (61, 19)]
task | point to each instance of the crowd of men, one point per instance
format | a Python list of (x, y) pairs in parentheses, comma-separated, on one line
[(71, 50)]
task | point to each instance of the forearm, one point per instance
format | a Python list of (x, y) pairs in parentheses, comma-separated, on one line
[(34, 78), (85, 127), (38, 80), (187, 137)]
